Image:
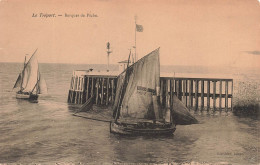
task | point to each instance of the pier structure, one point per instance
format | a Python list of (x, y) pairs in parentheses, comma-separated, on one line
[(195, 93), (99, 85), (198, 93)]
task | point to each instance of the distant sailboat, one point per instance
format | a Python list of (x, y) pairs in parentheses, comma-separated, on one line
[(137, 109), (30, 81)]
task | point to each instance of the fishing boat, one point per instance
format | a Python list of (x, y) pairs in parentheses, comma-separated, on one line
[(30, 82), (137, 109)]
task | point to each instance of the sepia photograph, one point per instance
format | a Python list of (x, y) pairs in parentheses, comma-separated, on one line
[(172, 82)]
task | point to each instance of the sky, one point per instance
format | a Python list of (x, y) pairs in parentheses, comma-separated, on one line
[(188, 32)]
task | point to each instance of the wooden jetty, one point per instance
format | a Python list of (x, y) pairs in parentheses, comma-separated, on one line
[(196, 93), (86, 84)]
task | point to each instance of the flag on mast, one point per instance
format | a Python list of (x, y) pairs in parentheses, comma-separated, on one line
[(139, 28)]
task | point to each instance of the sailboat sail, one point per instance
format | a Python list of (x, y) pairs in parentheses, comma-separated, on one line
[(30, 81), (42, 87), (30, 75), (18, 81), (143, 84)]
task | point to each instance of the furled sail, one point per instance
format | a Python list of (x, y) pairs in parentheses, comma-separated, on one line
[(142, 85), (30, 75), (18, 81)]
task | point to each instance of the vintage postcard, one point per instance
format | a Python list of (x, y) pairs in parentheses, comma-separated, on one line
[(130, 82)]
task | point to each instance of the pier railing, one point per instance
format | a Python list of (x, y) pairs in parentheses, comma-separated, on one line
[(195, 93)]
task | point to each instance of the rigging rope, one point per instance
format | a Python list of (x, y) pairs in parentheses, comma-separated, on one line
[(75, 114)]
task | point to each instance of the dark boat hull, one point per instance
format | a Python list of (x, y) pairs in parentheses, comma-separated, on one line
[(132, 129), (26, 96)]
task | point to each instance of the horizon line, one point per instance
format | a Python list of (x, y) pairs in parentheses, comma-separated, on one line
[(118, 64)]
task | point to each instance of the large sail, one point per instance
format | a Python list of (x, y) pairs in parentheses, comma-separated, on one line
[(18, 81), (42, 87), (30, 75), (143, 82)]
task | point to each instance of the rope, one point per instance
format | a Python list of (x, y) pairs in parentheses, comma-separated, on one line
[(108, 121)]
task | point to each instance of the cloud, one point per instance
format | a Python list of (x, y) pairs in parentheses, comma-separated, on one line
[(255, 52)]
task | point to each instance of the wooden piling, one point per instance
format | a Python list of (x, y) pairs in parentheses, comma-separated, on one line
[(208, 95), (83, 84), (184, 98), (73, 97), (214, 95), (202, 95), (196, 95), (186, 90), (226, 95), (113, 92), (92, 87), (76, 88), (220, 95), (97, 86), (171, 92), (82, 89), (175, 86), (102, 91), (166, 94), (161, 97), (177, 89), (190, 93), (76, 97), (107, 95), (79, 89), (180, 89), (76, 82), (87, 88)]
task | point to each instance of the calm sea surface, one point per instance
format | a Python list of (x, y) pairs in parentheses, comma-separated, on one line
[(47, 132)]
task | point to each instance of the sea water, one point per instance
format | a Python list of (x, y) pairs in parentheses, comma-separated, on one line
[(47, 132)]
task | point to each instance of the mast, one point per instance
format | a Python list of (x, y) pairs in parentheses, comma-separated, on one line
[(122, 91), (135, 38), (30, 57), (24, 64), (26, 73), (24, 61), (138, 28)]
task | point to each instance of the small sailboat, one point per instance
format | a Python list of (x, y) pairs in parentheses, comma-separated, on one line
[(137, 109), (30, 82)]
